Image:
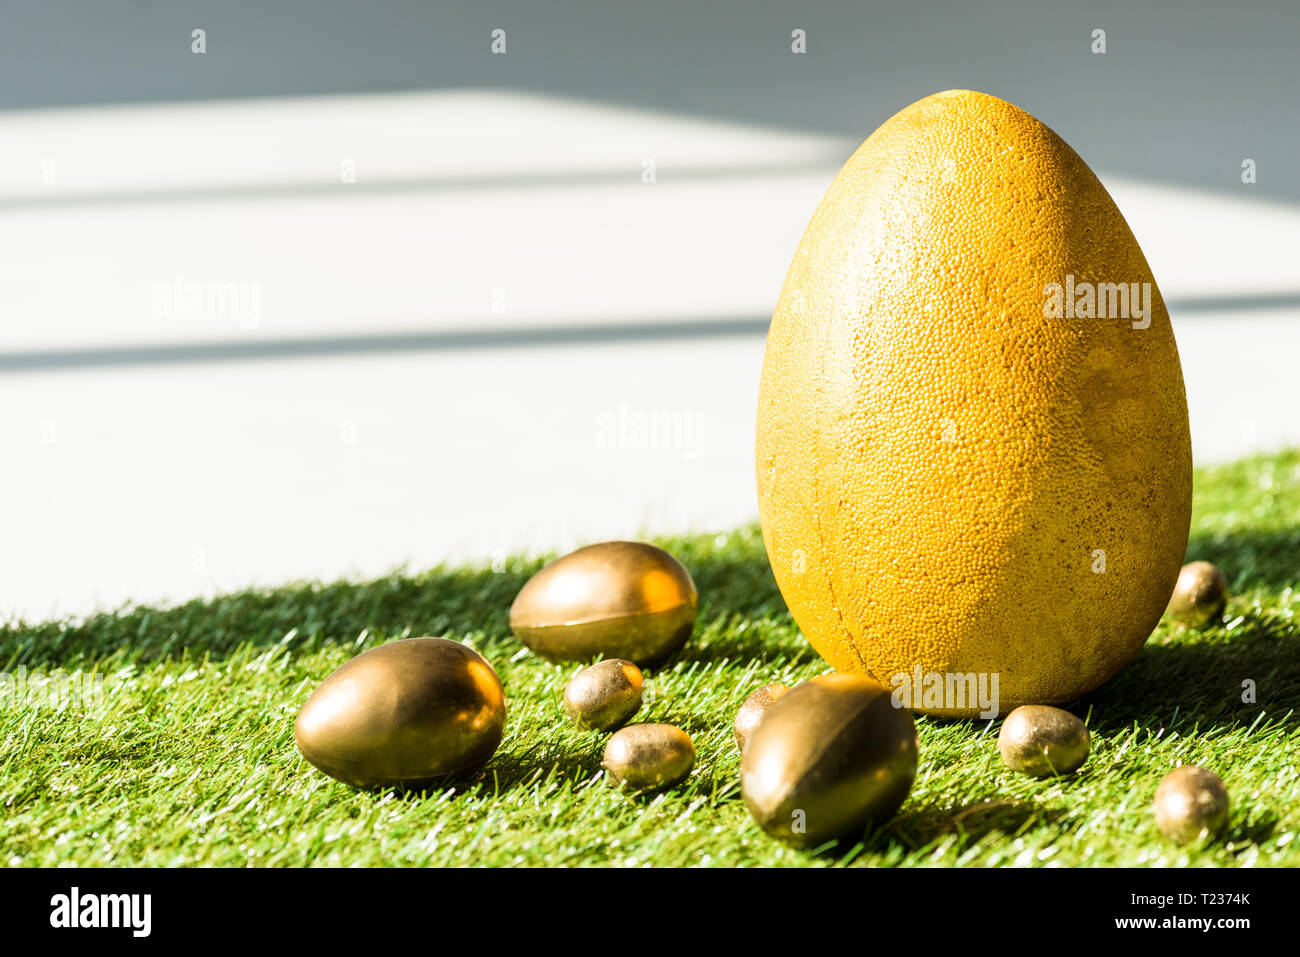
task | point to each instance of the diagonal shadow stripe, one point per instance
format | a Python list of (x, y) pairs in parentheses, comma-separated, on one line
[(1234, 303), (102, 357), (360, 345), (630, 177)]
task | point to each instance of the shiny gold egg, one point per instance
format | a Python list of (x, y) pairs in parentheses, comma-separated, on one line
[(1039, 740), (1191, 802), (1200, 595), (616, 599), (752, 710), (648, 757), (605, 695), (404, 713), (830, 756)]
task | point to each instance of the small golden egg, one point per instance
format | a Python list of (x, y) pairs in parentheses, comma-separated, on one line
[(1038, 740), (605, 695), (648, 757), (616, 600), (752, 710), (404, 713), (1200, 595), (1191, 802), (830, 756)]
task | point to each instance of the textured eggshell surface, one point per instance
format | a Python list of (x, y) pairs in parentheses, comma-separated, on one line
[(949, 475)]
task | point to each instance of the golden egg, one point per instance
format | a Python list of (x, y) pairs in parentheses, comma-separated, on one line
[(1200, 595), (615, 600), (648, 757), (830, 756), (605, 695), (1191, 803), (1039, 740), (404, 713), (752, 710)]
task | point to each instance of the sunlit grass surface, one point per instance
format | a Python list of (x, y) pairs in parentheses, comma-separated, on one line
[(191, 760)]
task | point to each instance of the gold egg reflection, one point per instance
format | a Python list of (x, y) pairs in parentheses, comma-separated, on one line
[(404, 713), (626, 600), (828, 757)]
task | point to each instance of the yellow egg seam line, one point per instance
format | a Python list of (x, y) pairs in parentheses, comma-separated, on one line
[(830, 585), (817, 518)]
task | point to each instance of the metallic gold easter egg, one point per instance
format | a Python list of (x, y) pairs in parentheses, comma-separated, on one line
[(1039, 740), (1191, 802), (404, 713), (605, 695), (830, 756), (616, 599), (752, 710), (1200, 595), (648, 757)]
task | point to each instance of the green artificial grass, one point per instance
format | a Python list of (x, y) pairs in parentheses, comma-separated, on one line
[(190, 759)]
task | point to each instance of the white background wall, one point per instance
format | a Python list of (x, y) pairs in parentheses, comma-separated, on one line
[(451, 357)]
